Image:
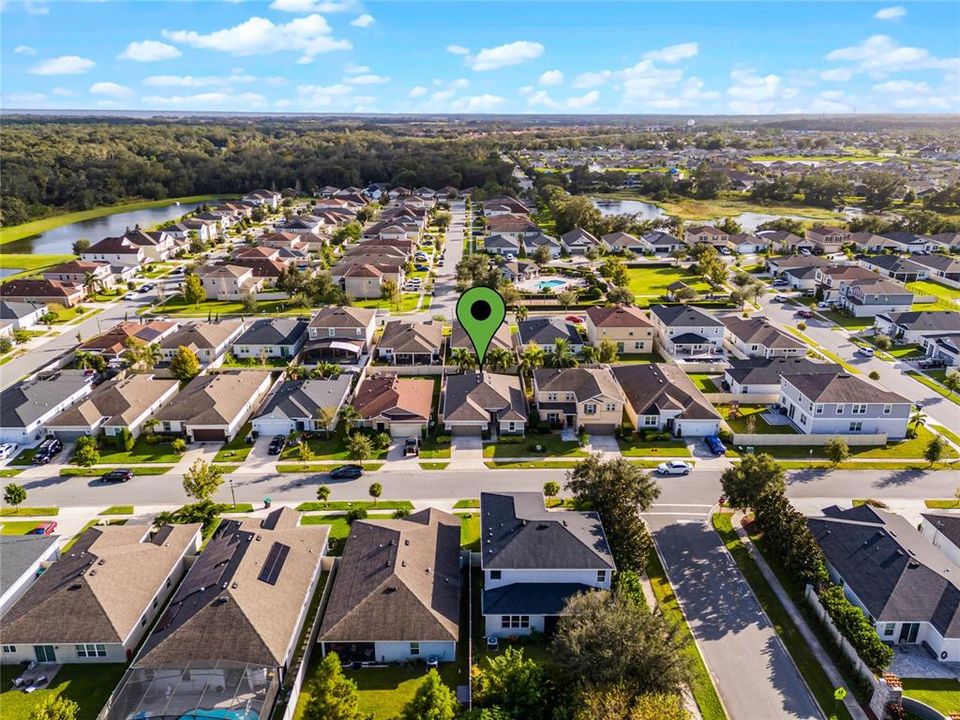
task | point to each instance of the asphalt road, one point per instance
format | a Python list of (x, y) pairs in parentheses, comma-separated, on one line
[(752, 670)]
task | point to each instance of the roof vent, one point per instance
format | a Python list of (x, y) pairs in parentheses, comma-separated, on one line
[(427, 571), (406, 541), (258, 538), (234, 585), (101, 561), (403, 563)]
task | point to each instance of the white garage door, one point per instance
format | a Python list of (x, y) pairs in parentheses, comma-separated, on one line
[(272, 426), (404, 430)]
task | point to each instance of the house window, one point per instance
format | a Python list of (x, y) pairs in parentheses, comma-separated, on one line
[(331, 331), (856, 426), (818, 409), (887, 409), (840, 409), (611, 407), (803, 419), (91, 650), (551, 396), (415, 648), (9, 648), (859, 409), (495, 575), (514, 621), (143, 621), (889, 628), (590, 409), (571, 396), (601, 576), (650, 420)]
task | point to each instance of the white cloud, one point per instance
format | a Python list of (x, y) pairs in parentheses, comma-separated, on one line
[(357, 69), (551, 77), (63, 65), (312, 6), (526, 89), (514, 53), (477, 103), (542, 98), (647, 81), (363, 21), (24, 50), (592, 79), (442, 95), (458, 50), (890, 13), (577, 103), (417, 91), (207, 101), (673, 53), (837, 74), (754, 94), (63, 92), (309, 35), (26, 98), (191, 81), (367, 80), (323, 95), (111, 89), (902, 86), (149, 51), (459, 84), (880, 54)]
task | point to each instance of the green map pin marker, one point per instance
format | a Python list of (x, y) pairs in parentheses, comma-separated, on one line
[(481, 311)]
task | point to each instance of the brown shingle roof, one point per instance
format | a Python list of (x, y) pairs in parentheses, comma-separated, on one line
[(618, 316), (122, 401), (214, 399)]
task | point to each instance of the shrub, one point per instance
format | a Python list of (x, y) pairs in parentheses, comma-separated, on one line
[(355, 514), (6, 345), (854, 626), (801, 325), (151, 439), (874, 375), (125, 440), (381, 441), (179, 446)]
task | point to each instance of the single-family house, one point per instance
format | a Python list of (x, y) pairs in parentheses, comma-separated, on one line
[(687, 330), (942, 530), (25, 557), (516, 271), (116, 341), (588, 398), (747, 243), (396, 594), (115, 251), (480, 403), (534, 561), (779, 240), (869, 297), (662, 397), (208, 340), (337, 333), (829, 279), (270, 198), (502, 245), (411, 343), (532, 242), (761, 376), (895, 267), (399, 406), (97, 601), (21, 315), (869, 242), (625, 325), (945, 347), (157, 245), (623, 242), (707, 234), (281, 337), (661, 243), (909, 242), (546, 330), (578, 241), (303, 406), (756, 337), (27, 406), (914, 327), (92, 275), (943, 269), (842, 404), (501, 338), (45, 292), (512, 225), (213, 408), (827, 239), (228, 282)]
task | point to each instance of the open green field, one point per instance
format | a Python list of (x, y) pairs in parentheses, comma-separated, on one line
[(87, 685), (178, 306), (30, 263), (728, 204), (34, 227), (653, 281)]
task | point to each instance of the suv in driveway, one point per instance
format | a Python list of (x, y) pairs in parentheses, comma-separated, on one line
[(277, 444), (411, 446), (48, 448), (715, 444)]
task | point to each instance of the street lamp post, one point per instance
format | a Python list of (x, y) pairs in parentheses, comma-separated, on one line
[(233, 495)]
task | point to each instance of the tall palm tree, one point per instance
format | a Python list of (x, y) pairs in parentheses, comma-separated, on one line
[(499, 359), (531, 359), (348, 413), (464, 359), (589, 354), (521, 313), (326, 416), (562, 355)]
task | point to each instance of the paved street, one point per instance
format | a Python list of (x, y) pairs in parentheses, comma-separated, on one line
[(753, 672)]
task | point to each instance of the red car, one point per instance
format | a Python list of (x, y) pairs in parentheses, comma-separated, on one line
[(44, 528), (805, 313)]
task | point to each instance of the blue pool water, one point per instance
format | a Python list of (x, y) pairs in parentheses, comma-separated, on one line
[(551, 284)]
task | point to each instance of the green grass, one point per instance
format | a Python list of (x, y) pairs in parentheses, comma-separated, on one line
[(10, 472), (237, 449), (34, 227), (950, 504), (531, 464), (316, 505), (925, 379), (641, 448), (705, 383), (179, 307), (846, 321), (408, 303), (339, 527), (940, 694), (469, 531), (728, 204), (272, 363), (434, 465), (801, 653), (322, 467), (327, 449), (30, 512), (87, 685), (467, 504), (30, 263), (908, 449), (639, 358), (118, 510), (431, 449), (701, 685), (553, 446), (97, 472), (948, 433), (653, 281), (875, 465), (17, 527), (238, 508), (142, 452), (929, 287), (739, 424)]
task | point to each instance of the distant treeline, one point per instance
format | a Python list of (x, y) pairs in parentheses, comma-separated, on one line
[(53, 167)]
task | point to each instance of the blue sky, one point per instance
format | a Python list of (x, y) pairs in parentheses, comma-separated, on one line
[(504, 57)]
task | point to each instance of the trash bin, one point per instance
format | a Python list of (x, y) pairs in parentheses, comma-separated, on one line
[(266, 502)]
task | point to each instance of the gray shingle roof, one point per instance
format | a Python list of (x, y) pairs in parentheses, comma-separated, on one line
[(841, 388), (927, 321), (24, 403), (302, 399), (761, 371), (651, 388), (19, 553), (547, 330), (273, 331), (530, 598), (475, 396), (517, 532), (684, 316), (584, 383), (759, 330)]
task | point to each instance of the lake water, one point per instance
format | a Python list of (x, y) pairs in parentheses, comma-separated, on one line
[(59, 240), (643, 210)]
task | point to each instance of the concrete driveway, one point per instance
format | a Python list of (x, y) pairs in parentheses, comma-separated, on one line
[(752, 671)]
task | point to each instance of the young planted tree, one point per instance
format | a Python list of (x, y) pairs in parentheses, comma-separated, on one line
[(185, 366), (304, 452), (193, 291), (202, 480), (432, 701), (837, 450), (143, 357), (359, 447), (331, 695), (375, 490), (934, 451), (14, 494), (551, 489), (87, 454), (323, 493)]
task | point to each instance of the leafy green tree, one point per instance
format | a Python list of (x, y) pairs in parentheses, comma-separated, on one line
[(80, 246), (304, 451), (432, 701), (618, 295), (562, 355), (193, 291), (499, 359), (184, 365), (934, 451), (331, 695), (87, 454), (531, 359), (551, 488), (14, 494), (359, 447), (249, 303), (541, 255), (202, 480), (514, 683), (124, 440), (619, 492), (54, 707), (754, 476), (463, 358), (952, 382), (375, 491), (143, 357), (323, 493), (837, 450), (608, 351), (6, 345), (566, 298)]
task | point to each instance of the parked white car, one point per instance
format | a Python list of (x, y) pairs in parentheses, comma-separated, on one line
[(866, 352), (674, 467), (7, 450)]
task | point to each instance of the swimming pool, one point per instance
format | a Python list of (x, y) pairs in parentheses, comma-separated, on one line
[(551, 284)]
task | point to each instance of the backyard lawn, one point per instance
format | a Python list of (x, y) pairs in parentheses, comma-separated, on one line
[(706, 383), (909, 449), (739, 424), (408, 303), (339, 527), (469, 531), (142, 452), (653, 281), (928, 287), (944, 695), (87, 685), (177, 305)]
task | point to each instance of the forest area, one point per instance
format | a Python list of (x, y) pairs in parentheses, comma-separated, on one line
[(51, 167)]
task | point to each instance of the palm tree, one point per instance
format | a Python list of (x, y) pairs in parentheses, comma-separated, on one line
[(325, 416), (917, 418), (589, 354), (531, 359), (464, 359), (562, 355), (521, 313), (348, 413), (952, 382), (499, 359), (89, 282), (296, 372)]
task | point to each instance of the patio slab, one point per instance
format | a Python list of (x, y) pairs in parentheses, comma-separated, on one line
[(916, 661)]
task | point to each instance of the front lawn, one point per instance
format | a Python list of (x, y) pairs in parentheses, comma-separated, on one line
[(908, 449), (142, 452), (98, 471), (642, 448), (940, 694), (17, 527), (846, 321), (431, 448), (118, 510), (739, 424), (551, 446), (333, 448), (706, 383), (434, 465), (87, 685), (653, 281), (932, 379), (237, 449), (532, 464), (29, 512)]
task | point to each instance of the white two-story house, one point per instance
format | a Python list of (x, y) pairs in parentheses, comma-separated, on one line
[(687, 330), (533, 561)]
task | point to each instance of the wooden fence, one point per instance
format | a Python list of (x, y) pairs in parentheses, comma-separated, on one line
[(801, 440)]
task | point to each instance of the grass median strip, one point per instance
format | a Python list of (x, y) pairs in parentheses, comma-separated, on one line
[(802, 655), (97, 472), (317, 506), (925, 379), (701, 685), (434, 465), (29, 512), (118, 510), (531, 464)]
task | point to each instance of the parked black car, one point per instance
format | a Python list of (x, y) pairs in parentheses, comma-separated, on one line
[(346, 472), (115, 476), (411, 446), (277, 445), (45, 453)]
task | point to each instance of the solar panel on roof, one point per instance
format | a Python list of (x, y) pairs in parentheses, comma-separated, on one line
[(274, 564)]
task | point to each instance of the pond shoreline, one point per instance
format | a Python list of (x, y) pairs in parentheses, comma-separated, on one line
[(36, 227)]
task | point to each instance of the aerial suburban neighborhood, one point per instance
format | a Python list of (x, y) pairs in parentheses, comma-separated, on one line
[(262, 460)]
